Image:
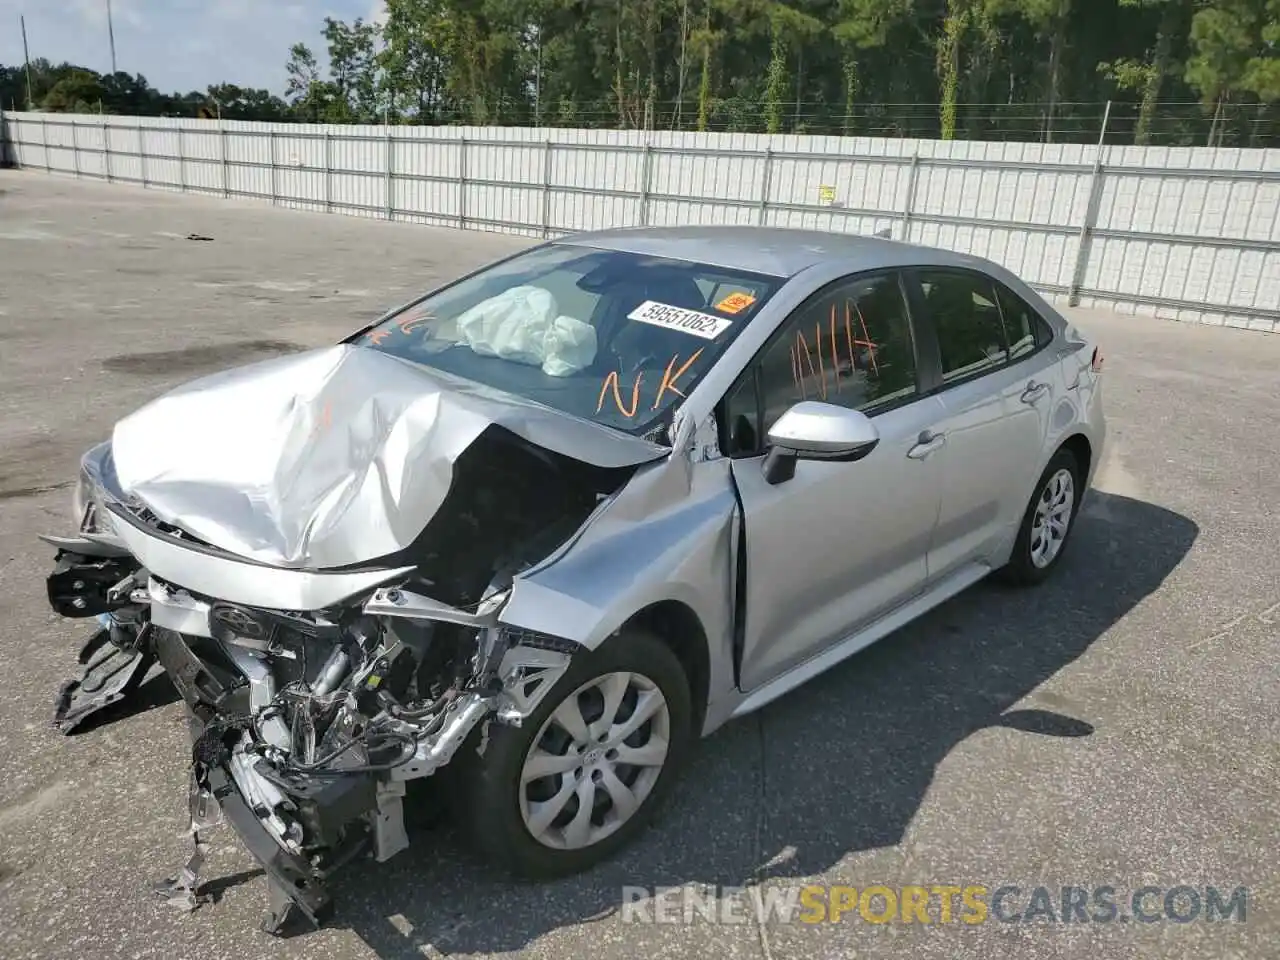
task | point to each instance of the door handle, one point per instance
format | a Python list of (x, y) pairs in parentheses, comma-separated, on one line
[(926, 443), (1034, 391)]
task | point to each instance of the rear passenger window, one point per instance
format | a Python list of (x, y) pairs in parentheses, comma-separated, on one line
[(1026, 329), (971, 336)]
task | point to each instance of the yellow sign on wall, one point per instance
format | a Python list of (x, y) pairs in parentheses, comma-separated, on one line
[(826, 194)]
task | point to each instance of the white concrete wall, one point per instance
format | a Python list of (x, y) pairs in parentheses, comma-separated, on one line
[(1187, 233)]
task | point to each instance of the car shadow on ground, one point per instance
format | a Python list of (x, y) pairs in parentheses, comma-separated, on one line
[(840, 766)]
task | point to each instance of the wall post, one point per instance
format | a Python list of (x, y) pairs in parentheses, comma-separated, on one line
[(462, 183), (328, 173), (142, 154), (106, 148), (908, 205), (764, 186), (1090, 216), (546, 188), (646, 180)]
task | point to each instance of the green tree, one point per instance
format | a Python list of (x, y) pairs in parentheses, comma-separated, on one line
[(1148, 74), (1227, 49), (954, 26), (308, 95), (352, 71), (1052, 21), (860, 26), (1262, 75), (234, 102), (705, 40), (741, 64), (80, 91), (412, 60)]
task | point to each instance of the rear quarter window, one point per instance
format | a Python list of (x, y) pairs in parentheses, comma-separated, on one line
[(1027, 330)]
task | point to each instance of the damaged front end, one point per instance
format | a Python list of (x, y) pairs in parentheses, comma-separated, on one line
[(317, 694), (306, 724)]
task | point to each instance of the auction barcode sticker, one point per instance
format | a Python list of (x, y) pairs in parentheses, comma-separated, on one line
[(678, 318)]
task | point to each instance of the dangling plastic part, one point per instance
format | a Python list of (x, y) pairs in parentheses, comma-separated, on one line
[(115, 664)]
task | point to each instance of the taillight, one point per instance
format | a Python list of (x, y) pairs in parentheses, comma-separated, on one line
[(1097, 360)]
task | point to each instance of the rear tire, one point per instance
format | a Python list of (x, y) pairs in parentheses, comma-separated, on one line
[(1047, 523), (555, 796)]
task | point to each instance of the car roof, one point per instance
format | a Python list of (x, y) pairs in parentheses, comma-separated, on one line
[(776, 251)]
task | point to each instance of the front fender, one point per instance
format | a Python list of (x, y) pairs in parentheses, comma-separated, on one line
[(669, 535)]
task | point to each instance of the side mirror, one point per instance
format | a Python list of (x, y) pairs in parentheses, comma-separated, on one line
[(811, 430)]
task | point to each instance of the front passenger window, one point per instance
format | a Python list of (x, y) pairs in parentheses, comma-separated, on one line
[(849, 345), (971, 336)]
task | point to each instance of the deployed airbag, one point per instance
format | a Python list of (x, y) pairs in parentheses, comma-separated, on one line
[(522, 325)]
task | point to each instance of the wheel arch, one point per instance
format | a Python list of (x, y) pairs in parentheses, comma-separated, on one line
[(677, 625), (1082, 450)]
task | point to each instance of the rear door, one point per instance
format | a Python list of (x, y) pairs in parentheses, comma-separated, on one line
[(998, 385), (839, 543)]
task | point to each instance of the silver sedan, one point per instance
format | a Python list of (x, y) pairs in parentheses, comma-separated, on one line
[(539, 529)]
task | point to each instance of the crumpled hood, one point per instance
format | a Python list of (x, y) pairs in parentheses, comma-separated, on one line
[(327, 458)]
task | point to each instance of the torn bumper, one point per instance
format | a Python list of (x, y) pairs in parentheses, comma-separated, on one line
[(113, 670), (295, 884), (118, 656), (301, 829), (314, 695), (297, 875)]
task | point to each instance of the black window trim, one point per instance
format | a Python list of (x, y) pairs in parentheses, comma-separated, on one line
[(928, 330), (1036, 320), (924, 353)]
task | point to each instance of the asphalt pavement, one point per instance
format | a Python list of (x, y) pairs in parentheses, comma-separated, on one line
[(1119, 726)]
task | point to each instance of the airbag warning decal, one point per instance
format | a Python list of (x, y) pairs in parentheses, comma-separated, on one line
[(702, 325)]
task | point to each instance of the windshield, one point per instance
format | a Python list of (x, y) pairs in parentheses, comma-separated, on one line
[(617, 338)]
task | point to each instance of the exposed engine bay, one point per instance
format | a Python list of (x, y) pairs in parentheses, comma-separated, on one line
[(307, 724)]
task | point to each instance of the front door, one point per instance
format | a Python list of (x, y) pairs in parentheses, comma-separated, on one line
[(838, 544)]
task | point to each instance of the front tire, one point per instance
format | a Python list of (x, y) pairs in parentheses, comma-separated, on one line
[(1047, 523), (585, 773)]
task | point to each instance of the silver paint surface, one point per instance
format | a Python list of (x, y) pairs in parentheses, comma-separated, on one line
[(327, 458), (352, 452)]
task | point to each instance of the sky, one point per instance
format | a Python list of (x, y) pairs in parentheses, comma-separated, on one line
[(178, 45)]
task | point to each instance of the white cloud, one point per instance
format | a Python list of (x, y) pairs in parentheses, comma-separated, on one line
[(94, 12), (233, 9), (178, 45)]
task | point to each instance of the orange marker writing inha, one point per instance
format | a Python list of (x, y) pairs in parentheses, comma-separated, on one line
[(802, 352), (835, 354), (817, 335), (866, 341), (848, 332)]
